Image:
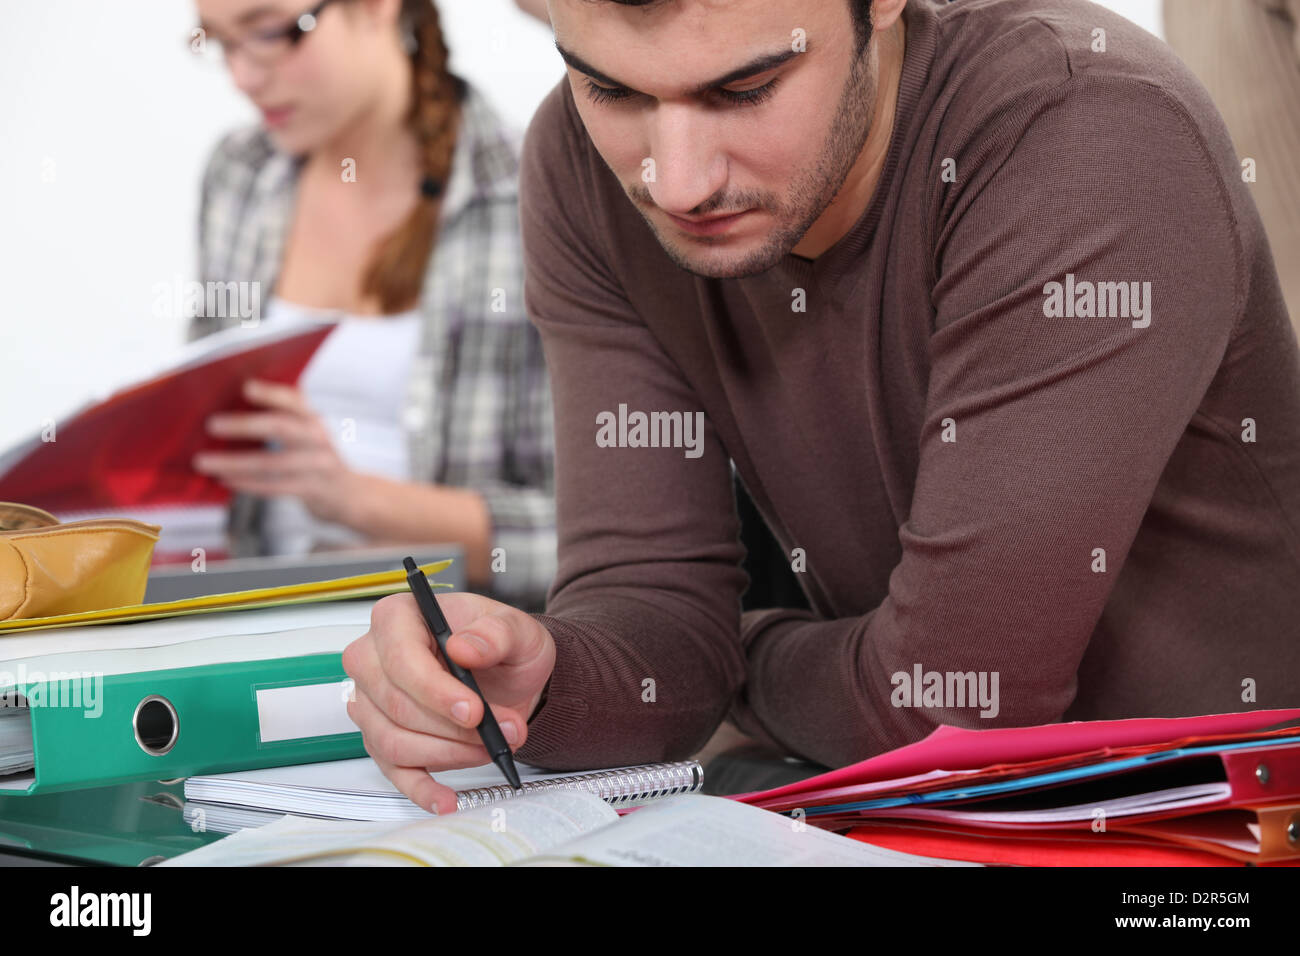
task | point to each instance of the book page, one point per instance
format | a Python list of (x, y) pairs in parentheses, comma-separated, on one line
[(489, 836), (697, 830)]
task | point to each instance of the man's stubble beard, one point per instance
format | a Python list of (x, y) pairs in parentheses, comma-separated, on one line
[(810, 195)]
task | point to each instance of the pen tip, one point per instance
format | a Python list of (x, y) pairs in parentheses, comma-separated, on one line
[(507, 764), (409, 564)]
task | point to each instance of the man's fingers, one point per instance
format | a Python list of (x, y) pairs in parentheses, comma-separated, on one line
[(361, 662), (495, 639), (420, 689), (406, 660), (392, 744), (409, 657), (420, 788), (406, 698), (484, 642), (462, 607)]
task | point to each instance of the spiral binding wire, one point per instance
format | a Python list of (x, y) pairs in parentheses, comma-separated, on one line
[(616, 787)]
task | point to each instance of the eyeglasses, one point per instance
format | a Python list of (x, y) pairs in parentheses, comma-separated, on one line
[(263, 47)]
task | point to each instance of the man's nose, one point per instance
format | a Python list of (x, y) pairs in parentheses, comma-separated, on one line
[(688, 167)]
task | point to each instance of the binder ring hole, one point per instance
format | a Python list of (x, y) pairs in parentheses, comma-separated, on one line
[(156, 725)]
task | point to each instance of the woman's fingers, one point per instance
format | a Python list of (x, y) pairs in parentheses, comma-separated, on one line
[(288, 465), (291, 430), (288, 398)]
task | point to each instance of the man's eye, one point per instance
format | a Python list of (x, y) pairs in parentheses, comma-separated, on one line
[(612, 94), (750, 97), (606, 94)]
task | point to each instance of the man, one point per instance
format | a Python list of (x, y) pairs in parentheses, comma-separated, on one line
[(975, 298)]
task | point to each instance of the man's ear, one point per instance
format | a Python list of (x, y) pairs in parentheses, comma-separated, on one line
[(884, 13)]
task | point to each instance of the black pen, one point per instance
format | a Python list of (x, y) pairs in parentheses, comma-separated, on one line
[(488, 731)]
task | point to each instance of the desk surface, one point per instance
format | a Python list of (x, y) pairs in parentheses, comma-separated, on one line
[(136, 824)]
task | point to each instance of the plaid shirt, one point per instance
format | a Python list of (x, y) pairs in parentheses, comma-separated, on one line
[(478, 406)]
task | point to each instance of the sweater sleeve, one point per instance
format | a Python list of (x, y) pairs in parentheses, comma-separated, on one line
[(1045, 430), (645, 607)]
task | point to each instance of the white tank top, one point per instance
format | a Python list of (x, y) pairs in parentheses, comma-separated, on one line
[(356, 382)]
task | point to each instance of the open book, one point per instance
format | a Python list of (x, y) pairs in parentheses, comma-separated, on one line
[(558, 827)]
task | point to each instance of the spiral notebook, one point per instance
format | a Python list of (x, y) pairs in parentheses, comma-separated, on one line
[(357, 790)]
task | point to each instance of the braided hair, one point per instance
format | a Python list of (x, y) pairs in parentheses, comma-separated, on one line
[(396, 270)]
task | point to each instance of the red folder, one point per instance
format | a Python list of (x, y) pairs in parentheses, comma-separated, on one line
[(1114, 848), (135, 448), (1200, 840)]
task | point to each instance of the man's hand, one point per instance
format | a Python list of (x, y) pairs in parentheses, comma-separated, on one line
[(414, 716)]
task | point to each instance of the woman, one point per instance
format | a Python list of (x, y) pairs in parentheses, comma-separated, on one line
[(1247, 54), (381, 190)]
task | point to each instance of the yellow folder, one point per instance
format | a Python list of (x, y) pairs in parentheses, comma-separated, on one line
[(374, 584)]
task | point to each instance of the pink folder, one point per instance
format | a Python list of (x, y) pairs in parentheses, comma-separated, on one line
[(954, 748)]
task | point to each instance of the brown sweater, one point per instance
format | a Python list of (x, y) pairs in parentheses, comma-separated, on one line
[(1079, 439)]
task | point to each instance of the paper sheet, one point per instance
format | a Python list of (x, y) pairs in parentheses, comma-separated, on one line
[(695, 830), (488, 836)]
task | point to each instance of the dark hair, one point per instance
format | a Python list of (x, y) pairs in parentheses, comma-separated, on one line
[(395, 273), (860, 9)]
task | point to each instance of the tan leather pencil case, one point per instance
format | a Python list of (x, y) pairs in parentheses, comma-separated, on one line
[(48, 567)]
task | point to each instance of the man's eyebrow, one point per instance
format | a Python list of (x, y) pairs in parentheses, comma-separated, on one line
[(760, 64)]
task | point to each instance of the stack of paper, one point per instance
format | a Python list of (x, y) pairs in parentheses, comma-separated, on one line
[(15, 736)]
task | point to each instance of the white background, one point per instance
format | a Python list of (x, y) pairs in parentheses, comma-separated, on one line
[(105, 99)]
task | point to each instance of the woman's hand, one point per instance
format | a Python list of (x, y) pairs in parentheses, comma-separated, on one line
[(416, 717), (306, 465)]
